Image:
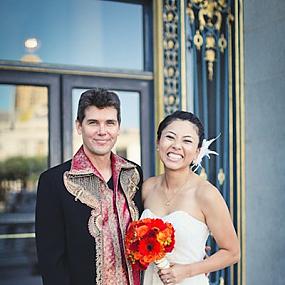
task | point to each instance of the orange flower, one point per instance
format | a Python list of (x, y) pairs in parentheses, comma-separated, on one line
[(142, 230), (148, 240)]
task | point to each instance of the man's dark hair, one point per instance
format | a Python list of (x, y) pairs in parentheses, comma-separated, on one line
[(100, 98), (183, 116)]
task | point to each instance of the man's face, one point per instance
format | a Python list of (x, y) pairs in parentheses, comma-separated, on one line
[(99, 129)]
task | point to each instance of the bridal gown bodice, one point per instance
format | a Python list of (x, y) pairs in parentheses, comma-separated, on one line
[(190, 240)]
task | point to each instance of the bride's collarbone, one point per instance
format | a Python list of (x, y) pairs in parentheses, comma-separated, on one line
[(160, 208)]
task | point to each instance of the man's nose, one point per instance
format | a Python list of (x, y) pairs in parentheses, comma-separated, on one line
[(102, 129)]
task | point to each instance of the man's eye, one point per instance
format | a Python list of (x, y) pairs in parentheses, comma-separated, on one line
[(187, 141)]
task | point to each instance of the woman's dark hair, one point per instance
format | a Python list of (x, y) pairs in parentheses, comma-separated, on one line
[(182, 116), (100, 98)]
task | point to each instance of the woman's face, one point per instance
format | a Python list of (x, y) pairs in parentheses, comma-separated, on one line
[(178, 144)]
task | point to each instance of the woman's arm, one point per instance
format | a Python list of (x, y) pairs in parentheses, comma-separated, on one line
[(220, 224), (221, 227)]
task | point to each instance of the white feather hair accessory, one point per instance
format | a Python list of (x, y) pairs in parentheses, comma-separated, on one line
[(204, 151)]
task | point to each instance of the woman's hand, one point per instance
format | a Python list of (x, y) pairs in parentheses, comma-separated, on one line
[(175, 274)]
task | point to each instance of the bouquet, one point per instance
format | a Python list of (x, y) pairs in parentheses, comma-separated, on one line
[(148, 240)]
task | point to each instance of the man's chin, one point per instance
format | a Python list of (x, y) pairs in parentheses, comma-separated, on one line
[(97, 151), (101, 152)]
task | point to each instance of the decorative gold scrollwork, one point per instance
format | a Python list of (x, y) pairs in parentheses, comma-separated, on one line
[(210, 16), (198, 40), (210, 55), (222, 43), (197, 1), (171, 49), (222, 3), (221, 176), (170, 44), (210, 42), (210, 23), (203, 173), (190, 13), (230, 18)]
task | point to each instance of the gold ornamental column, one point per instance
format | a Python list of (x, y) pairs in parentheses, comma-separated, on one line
[(169, 59)]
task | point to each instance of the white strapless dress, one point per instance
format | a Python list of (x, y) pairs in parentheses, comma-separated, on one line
[(190, 240)]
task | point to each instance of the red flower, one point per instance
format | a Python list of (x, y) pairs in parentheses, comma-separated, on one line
[(158, 225), (148, 240), (150, 249)]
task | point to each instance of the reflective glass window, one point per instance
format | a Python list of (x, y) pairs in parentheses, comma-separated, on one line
[(23, 156), (105, 34)]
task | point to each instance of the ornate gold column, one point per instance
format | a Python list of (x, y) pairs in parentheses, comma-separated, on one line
[(169, 59), (240, 138)]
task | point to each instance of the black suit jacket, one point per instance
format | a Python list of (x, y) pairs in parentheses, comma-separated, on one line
[(66, 250)]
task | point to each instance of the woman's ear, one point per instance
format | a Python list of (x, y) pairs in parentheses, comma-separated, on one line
[(196, 155)]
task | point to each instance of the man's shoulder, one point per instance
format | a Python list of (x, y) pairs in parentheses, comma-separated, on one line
[(58, 169), (132, 162), (138, 167)]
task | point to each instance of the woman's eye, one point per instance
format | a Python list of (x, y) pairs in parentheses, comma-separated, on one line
[(188, 141), (170, 137)]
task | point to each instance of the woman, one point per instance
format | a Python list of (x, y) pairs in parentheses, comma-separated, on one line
[(193, 206)]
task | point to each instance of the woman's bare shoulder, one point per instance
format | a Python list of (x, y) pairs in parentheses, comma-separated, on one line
[(205, 191), (149, 184)]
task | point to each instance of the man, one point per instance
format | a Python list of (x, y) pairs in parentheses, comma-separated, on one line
[(85, 205)]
